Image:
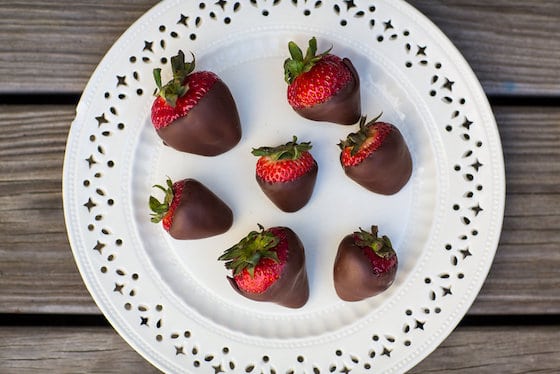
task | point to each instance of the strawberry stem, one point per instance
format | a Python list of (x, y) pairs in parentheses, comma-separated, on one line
[(289, 151), (298, 64), (381, 246), (176, 87), (160, 208), (356, 139), (249, 252)]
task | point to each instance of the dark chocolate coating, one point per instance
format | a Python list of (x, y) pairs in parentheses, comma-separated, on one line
[(344, 108), (387, 169), (290, 196), (292, 287), (210, 128), (354, 279), (200, 214)]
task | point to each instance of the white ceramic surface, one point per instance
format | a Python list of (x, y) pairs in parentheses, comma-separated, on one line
[(170, 300)]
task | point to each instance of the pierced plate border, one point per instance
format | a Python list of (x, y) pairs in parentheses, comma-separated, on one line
[(466, 246)]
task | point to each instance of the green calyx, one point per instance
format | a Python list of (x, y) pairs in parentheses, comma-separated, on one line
[(356, 139), (298, 63), (253, 248), (289, 151), (159, 209), (175, 88), (381, 246)]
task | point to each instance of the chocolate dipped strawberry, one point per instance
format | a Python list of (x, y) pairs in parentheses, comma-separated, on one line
[(322, 87), (286, 174), (365, 265), (190, 210), (376, 157), (195, 111), (269, 265)]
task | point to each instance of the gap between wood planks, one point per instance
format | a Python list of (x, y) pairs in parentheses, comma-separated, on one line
[(74, 98), (91, 320)]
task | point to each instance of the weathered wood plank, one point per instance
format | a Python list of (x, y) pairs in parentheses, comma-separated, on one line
[(68, 350), (512, 45), (38, 274), (515, 349)]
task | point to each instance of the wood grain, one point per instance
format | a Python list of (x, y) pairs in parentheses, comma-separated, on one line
[(38, 273), (512, 45), (101, 350)]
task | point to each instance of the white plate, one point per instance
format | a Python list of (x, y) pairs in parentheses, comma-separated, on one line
[(170, 300)]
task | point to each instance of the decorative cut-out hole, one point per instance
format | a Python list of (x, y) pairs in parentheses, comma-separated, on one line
[(265, 13), (103, 269), (91, 227), (120, 126), (300, 359), (448, 128), (208, 358), (192, 36), (433, 93), (187, 334), (249, 368), (132, 59), (408, 64), (120, 272), (127, 306), (119, 242), (86, 183), (110, 202), (338, 352), (343, 22), (161, 28), (306, 12), (427, 280), (380, 38), (159, 338), (407, 343)]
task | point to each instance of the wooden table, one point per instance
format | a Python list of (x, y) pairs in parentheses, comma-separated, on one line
[(48, 320)]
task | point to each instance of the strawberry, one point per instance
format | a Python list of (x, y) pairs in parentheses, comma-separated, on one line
[(269, 265), (365, 265), (195, 111), (376, 157), (190, 210), (322, 87), (286, 174)]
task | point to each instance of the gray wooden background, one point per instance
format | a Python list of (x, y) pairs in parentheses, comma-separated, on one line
[(48, 321)]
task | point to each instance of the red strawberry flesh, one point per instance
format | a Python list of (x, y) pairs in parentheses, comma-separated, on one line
[(167, 220), (361, 271), (274, 171), (324, 80), (267, 271), (377, 134), (283, 282), (198, 83), (377, 158)]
